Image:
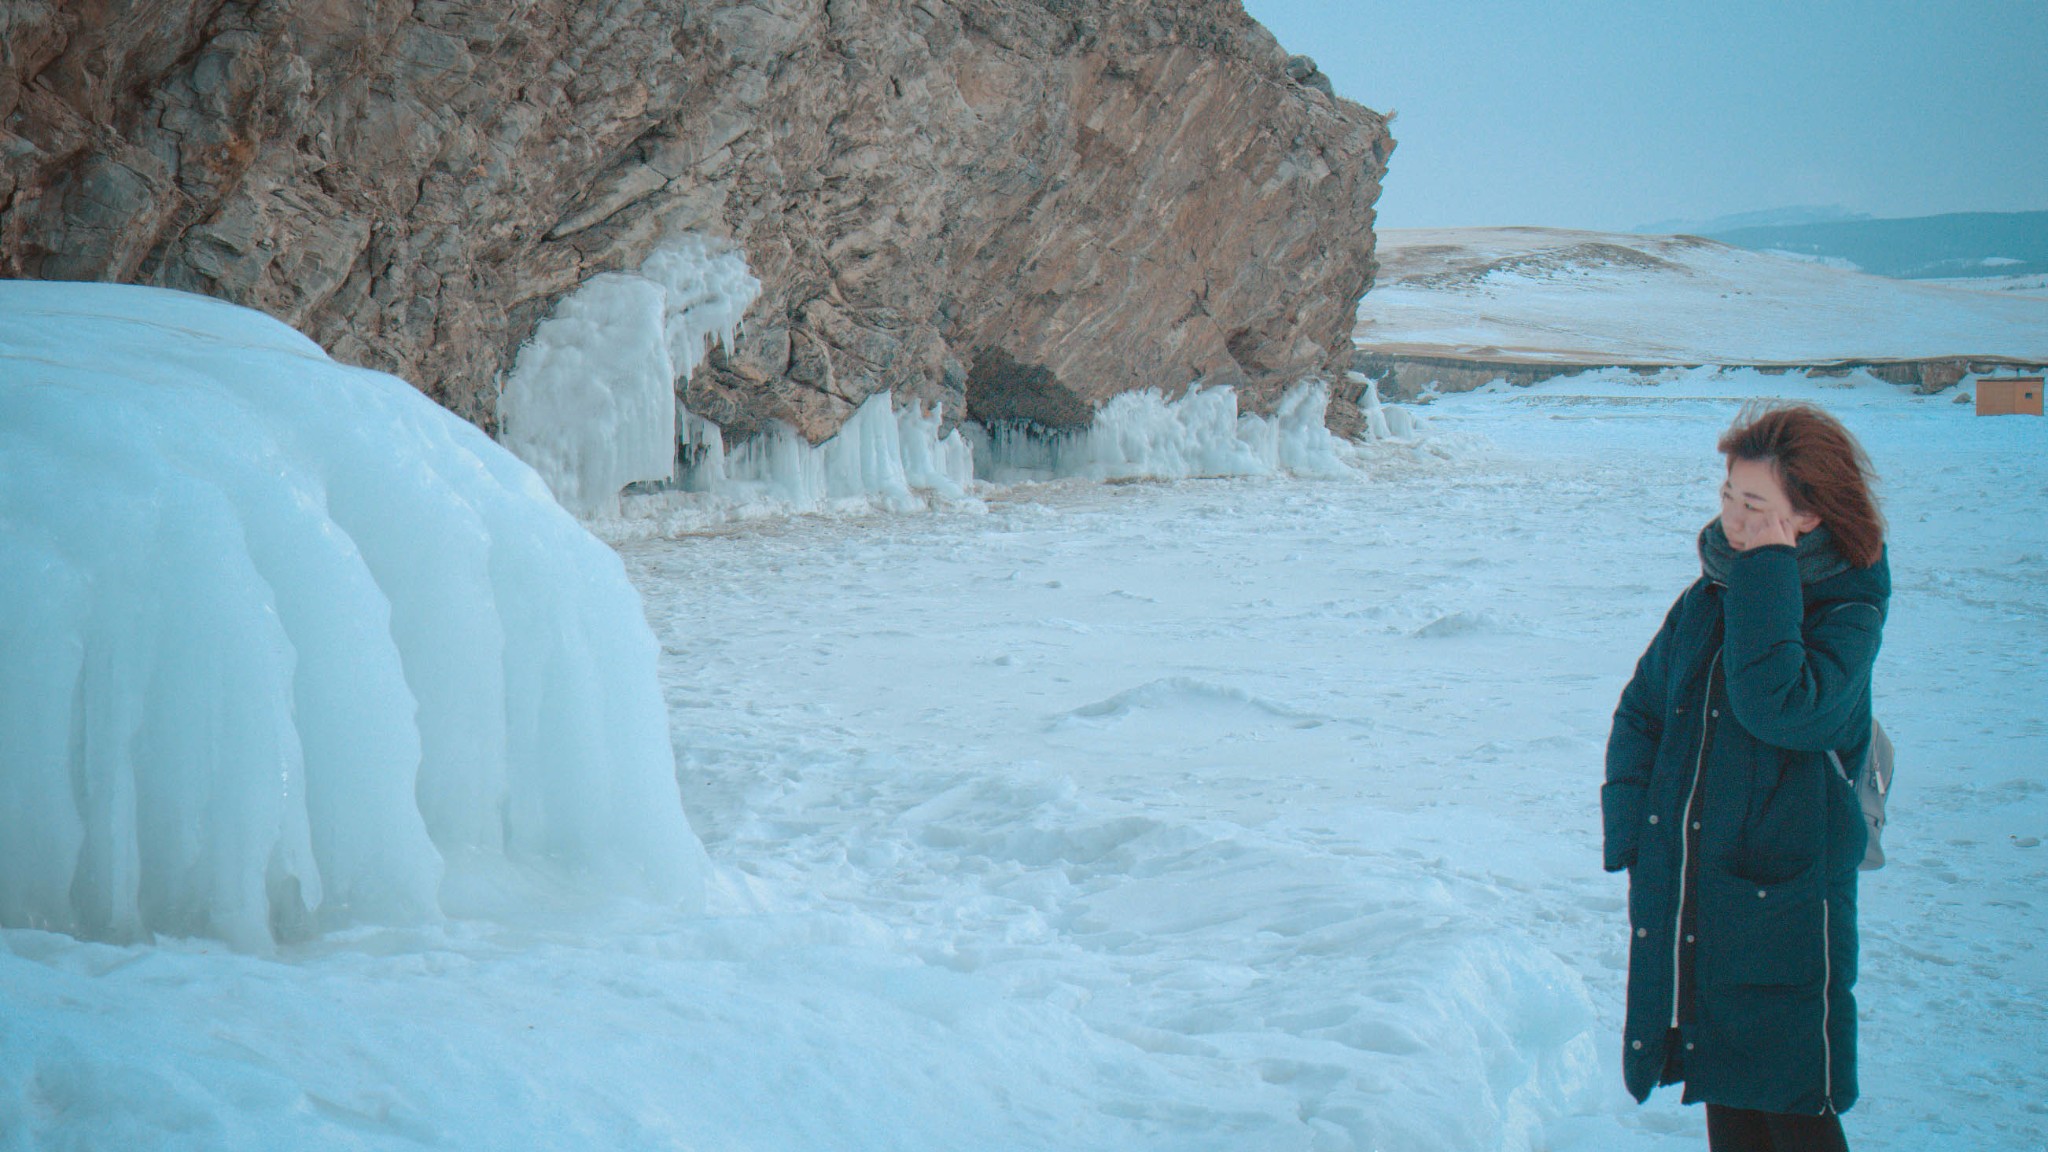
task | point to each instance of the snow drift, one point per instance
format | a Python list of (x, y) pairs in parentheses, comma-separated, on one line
[(285, 646)]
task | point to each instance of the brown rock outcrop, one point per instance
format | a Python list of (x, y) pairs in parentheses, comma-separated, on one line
[(1017, 207)]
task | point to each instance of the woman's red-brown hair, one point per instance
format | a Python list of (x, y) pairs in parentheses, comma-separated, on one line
[(1824, 471)]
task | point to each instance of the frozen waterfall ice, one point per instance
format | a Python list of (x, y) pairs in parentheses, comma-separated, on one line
[(591, 404), (897, 459), (880, 455), (591, 400), (286, 646), (1200, 433)]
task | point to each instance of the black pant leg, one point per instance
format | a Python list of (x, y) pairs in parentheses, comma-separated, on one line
[(1740, 1130), (1737, 1130), (1821, 1133)]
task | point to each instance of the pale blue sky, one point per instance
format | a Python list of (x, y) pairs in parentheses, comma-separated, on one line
[(1607, 114)]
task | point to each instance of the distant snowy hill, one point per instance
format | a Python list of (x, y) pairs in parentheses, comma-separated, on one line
[(1557, 300), (1953, 245)]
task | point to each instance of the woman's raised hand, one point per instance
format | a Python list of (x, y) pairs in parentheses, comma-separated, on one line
[(1774, 528)]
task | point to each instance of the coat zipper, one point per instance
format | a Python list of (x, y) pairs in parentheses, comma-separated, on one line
[(1827, 1051), (1685, 841)]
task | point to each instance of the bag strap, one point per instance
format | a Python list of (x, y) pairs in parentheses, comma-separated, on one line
[(1876, 732)]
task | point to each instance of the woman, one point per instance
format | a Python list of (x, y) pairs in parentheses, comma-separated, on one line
[(1740, 838)]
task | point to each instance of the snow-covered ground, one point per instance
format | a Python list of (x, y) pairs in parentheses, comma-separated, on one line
[(1238, 814), (1553, 295), (2032, 284)]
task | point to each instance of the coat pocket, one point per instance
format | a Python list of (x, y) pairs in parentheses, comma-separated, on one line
[(1786, 822), (1763, 933)]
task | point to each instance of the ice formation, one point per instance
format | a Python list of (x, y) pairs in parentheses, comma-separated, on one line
[(884, 457), (896, 459), (591, 400), (880, 455), (591, 405), (285, 646), (1383, 421), (1200, 433)]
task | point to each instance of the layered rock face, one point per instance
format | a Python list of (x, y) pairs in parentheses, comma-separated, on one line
[(1014, 207)]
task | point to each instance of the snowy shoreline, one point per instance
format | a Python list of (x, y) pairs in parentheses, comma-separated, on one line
[(1253, 812)]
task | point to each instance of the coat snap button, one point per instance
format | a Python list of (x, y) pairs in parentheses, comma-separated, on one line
[(1716, 713), (1688, 939), (1642, 932), (1653, 817), (1636, 1044), (1688, 1046), (1760, 893)]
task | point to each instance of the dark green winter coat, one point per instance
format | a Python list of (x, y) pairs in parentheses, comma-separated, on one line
[(1740, 696)]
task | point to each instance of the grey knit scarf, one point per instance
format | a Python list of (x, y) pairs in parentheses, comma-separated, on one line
[(1819, 559)]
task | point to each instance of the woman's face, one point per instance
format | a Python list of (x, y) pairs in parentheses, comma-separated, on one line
[(1755, 509)]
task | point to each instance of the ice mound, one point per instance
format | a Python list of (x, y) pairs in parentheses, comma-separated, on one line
[(1184, 724), (1144, 435), (1181, 699), (1463, 623), (591, 399), (285, 646)]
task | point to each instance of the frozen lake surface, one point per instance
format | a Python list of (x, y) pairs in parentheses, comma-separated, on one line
[(1220, 814)]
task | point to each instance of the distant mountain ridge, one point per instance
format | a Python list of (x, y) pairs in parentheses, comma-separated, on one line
[(1766, 218), (1955, 244)]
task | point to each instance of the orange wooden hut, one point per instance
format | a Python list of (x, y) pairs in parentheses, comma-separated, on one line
[(2009, 396)]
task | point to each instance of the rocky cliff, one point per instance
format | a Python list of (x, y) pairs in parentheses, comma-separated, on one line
[(1017, 207)]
